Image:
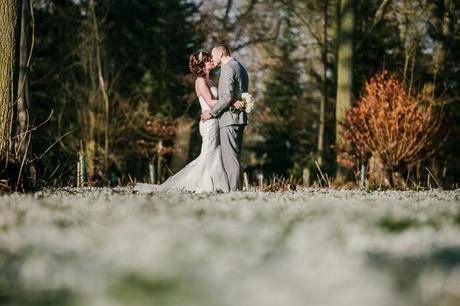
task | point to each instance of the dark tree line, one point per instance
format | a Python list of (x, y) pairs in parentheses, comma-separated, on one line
[(140, 52), (106, 83)]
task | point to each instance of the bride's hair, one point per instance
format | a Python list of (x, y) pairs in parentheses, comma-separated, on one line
[(197, 63)]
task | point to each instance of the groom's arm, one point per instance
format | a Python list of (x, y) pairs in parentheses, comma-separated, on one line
[(225, 91)]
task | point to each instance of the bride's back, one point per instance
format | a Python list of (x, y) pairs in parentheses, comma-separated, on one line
[(203, 104)]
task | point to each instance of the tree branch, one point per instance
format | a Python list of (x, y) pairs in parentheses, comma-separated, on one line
[(303, 21), (377, 18), (227, 13), (248, 10), (260, 39)]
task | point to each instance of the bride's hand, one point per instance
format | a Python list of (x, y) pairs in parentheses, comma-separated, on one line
[(238, 104)]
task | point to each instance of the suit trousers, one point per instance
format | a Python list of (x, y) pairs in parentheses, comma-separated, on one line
[(231, 140)]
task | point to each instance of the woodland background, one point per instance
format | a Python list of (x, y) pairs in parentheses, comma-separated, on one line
[(105, 84)]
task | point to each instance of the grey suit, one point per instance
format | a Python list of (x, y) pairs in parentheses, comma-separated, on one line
[(233, 81)]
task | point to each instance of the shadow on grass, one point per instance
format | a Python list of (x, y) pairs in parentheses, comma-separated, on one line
[(136, 289), (407, 271), (18, 297), (392, 224)]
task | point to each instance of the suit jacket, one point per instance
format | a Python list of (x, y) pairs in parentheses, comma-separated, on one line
[(233, 81)]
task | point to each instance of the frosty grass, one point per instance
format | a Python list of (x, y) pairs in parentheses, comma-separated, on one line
[(312, 247)]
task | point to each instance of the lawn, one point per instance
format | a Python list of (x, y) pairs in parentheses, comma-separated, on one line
[(312, 247)]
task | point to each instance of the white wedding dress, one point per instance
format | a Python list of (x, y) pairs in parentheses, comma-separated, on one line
[(204, 174)]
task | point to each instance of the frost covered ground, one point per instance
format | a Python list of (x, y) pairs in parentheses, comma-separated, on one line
[(312, 247)]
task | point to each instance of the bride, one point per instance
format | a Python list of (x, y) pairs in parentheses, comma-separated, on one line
[(206, 173)]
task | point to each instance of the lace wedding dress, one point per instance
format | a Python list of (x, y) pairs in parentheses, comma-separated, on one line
[(204, 174)]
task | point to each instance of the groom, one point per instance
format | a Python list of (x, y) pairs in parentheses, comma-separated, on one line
[(233, 81)]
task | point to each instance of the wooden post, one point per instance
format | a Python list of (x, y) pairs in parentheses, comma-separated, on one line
[(362, 176), (159, 162), (260, 176), (306, 177), (82, 177), (78, 174), (152, 173), (245, 182)]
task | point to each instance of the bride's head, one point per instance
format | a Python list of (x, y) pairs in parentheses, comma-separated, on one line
[(200, 63)]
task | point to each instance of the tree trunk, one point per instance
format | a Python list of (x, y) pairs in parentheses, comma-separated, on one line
[(93, 116), (322, 106), (102, 84), (182, 143), (344, 70), (23, 88), (9, 17), (22, 143)]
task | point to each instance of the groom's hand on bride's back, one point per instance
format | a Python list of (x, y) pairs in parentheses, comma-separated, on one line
[(206, 115)]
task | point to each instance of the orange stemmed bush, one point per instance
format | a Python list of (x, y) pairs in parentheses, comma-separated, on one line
[(389, 124)]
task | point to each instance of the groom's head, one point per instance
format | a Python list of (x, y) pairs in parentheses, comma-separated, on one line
[(219, 54)]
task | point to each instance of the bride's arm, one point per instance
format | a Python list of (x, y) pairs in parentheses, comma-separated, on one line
[(203, 90)]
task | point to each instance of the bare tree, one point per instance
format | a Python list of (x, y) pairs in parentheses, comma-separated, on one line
[(23, 148), (9, 17), (102, 83), (240, 24), (304, 12), (93, 115), (323, 102)]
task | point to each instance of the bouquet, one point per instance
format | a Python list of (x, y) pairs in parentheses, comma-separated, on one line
[(248, 101)]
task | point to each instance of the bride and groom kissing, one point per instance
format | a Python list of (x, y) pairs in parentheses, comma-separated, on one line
[(223, 119)]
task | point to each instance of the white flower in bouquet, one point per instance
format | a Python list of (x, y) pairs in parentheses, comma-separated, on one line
[(248, 102)]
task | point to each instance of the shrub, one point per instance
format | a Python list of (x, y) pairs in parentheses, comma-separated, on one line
[(391, 126)]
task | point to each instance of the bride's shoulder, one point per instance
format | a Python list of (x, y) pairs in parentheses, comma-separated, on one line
[(199, 82)]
